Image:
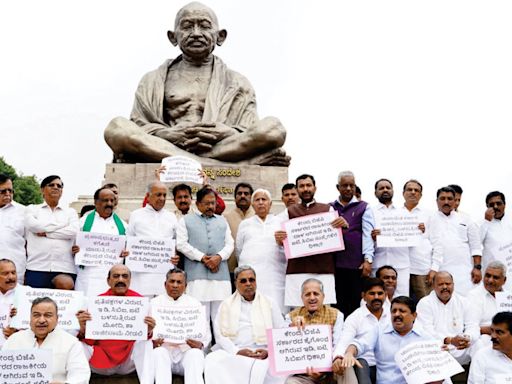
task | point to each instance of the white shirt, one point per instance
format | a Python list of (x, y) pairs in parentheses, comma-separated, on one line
[(69, 364), (456, 317), (245, 338), (398, 257), (487, 364), (257, 247), (50, 253), (12, 235), (164, 300), (7, 298), (484, 305), (147, 222), (357, 324)]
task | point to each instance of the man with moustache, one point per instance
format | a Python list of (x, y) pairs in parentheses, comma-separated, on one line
[(205, 240), (12, 228), (398, 257), (354, 263), (110, 357), (491, 364), (449, 317), (402, 332), (460, 241), (101, 220), (241, 355), (8, 286), (315, 312), (69, 364), (50, 231), (153, 221), (319, 266), (373, 314), (242, 211), (389, 276), (182, 196), (289, 195)]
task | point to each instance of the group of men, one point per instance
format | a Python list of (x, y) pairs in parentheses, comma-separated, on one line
[(442, 275)]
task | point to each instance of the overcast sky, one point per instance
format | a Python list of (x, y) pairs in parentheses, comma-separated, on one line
[(396, 89)]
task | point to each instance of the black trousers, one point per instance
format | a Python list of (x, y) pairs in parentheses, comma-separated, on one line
[(349, 285)]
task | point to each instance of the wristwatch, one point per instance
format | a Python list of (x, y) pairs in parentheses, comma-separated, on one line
[(478, 266)]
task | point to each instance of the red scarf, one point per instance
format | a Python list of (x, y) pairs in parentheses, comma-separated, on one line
[(110, 353)]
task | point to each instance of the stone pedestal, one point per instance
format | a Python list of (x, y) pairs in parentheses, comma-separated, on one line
[(132, 180)]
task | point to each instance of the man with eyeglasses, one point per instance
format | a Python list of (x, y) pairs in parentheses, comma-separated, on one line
[(50, 230), (241, 355), (12, 229)]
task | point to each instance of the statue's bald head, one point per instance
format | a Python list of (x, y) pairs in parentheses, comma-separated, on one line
[(195, 7)]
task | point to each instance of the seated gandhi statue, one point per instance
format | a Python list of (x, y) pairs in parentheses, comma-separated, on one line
[(195, 106)]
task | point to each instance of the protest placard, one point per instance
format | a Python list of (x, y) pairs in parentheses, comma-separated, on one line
[(149, 254), (68, 304), (424, 361), (26, 366), (291, 350), (181, 169), (4, 321), (312, 235), (175, 325), (117, 318), (398, 228), (503, 378), (99, 249), (503, 301)]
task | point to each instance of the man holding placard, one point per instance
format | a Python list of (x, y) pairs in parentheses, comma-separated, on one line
[(240, 355), (117, 356), (102, 220), (494, 364), (69, 364), (149, 225), (183, 357)]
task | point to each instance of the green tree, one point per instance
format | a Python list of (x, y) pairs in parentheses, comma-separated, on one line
[(26, 188)]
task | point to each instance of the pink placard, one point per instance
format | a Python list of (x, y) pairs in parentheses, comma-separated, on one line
[(312, 235)]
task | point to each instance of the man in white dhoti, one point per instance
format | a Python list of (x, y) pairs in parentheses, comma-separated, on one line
[(153, 221), (449, 317), (184, 359), (69, 364), (240, 355), (460, 241), (256, 246)]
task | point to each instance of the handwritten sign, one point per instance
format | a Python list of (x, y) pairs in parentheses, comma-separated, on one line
[(4, 321), (68, 304), (175, 325), (26, 366), (292, 350), (99, 249), (504, 301), (181, 169), (398, 228), (117, 318), (312, 235), (425, 361), (503, 378), (149, 254)]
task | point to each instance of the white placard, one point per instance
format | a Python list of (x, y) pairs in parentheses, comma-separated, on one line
[(503, 301), (117, 318), (291, 350), (99, 249), (181, 169), (68, 303), (424, 361), (149, 254), (4, 321), (176, 325), (503, 378), (26, 366), (312, 235), (398, 228)]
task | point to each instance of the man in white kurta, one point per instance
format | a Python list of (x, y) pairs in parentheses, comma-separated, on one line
[(460, 241), (152, 221), (8, 287), (69, 364), (256, 246), (185, 359), (493, 364), (449, 317), (12, 228), (91, 280), (240, 355), (496, 232)]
